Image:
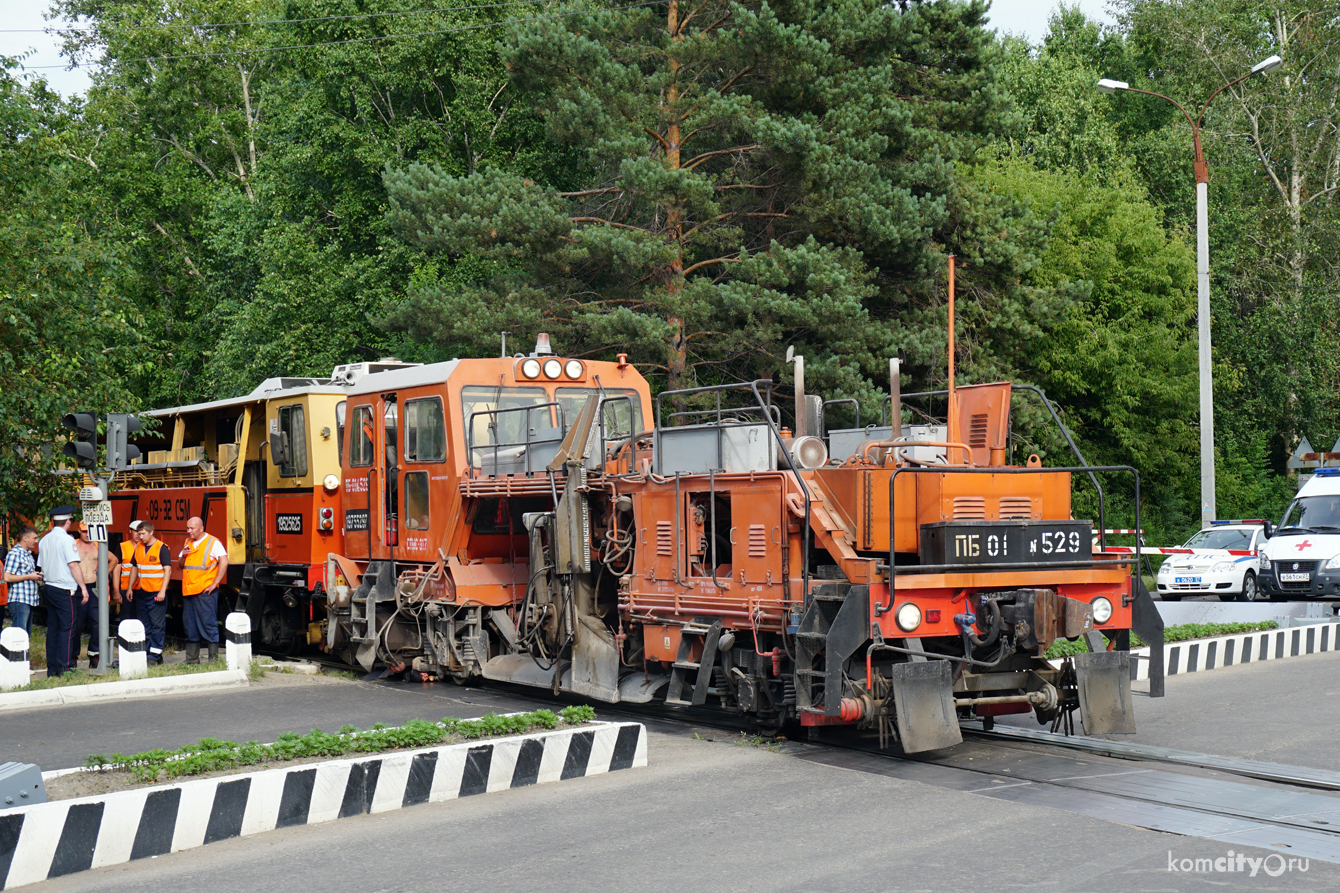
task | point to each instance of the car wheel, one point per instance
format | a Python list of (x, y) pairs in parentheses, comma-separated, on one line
[(1250, 591)]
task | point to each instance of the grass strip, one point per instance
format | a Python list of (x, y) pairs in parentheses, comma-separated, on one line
[(1181, 633), (213, 754), (84, 677)]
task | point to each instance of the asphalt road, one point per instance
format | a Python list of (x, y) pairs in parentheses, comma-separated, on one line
[(707, 814)]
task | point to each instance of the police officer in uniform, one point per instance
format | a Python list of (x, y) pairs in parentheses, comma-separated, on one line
[(63, 591)]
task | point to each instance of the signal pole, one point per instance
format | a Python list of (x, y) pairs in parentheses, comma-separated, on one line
[(97, 509)]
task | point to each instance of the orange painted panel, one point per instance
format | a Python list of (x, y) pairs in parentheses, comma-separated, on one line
[(660, 642), (493, 584)]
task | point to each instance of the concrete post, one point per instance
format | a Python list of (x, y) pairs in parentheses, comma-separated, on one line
[(15, 671), (134, 660), (237, 631)]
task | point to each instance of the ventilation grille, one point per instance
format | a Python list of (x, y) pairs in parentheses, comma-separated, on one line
[(970, 508), (977, 426), (1016, 507), (665, 538), (758, 541)]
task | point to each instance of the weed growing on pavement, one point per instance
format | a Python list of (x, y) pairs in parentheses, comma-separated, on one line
[(213, 754), (1183, 633), (747, 740)]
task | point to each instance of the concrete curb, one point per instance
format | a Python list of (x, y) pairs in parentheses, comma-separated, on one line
[(123, 690), (54, 839), (1200, 655)]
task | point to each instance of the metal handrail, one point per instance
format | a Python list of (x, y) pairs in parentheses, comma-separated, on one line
[(946, 469), (1065, 432), (493, 426), (852, 400)]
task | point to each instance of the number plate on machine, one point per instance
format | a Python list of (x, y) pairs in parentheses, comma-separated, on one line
[(1295, 578), (1186, 579), (1006, 542)]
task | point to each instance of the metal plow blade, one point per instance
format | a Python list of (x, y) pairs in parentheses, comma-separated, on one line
[(1104, 680), (924, 701)]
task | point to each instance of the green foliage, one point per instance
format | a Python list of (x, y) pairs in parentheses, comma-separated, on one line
[(1122, 363), (750, 176), (214, 754), (64, 334)]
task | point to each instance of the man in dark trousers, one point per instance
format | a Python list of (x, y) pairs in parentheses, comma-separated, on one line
[(63, 591), (204, 567), (153, 569)]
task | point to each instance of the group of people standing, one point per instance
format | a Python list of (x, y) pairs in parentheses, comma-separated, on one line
[(66, 570)]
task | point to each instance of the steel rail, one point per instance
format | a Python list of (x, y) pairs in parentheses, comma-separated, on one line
[(1299, 776)]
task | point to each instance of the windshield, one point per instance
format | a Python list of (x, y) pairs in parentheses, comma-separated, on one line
[(1312, 513), (1221, 538), (622, 418), (488, 428)]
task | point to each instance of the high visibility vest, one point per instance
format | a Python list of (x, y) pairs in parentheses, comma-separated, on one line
[(150, 571), (198, 569), (128, 548)]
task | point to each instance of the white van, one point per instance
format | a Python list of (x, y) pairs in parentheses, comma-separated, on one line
[(1302, 557)]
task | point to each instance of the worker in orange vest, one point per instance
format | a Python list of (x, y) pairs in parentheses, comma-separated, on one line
[(153, 570), (125, 580), (204, 567)]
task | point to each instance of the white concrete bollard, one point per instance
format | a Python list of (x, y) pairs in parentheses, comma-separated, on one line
[(237, 630), (14, 668), (134, 660)]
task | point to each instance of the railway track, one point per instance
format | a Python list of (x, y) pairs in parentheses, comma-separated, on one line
[(1292, 810)]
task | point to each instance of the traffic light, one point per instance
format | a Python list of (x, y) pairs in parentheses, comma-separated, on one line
[(84, 448), (119, 453)]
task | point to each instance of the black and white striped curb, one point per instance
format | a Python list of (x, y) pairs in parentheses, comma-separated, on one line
[(1240, 648), (66, 836)]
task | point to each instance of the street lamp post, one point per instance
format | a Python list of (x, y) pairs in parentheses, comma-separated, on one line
[(1202, 172)]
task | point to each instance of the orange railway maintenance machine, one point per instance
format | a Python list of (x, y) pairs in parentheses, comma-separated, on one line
[(523, 519), (262, 472)]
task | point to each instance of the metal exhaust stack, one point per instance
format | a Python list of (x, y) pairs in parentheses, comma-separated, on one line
[(896, 396), (798, 364)]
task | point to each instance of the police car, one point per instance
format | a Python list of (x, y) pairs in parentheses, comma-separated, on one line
[(1224, 564), (1302, 557)]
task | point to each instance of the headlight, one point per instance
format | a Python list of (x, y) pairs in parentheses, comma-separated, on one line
[(908, 617), (1265, 562), (1333, 564), (332, 482), (1165, 568), (531, 369), (573, 369), (1102, 610), (1225, 567), (553, 368)]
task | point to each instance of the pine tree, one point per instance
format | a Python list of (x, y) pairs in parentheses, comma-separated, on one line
[(745, 176)]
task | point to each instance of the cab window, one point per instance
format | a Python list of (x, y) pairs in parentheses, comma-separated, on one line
[(425, 431), (360, 438), (622, 418), (293, 423), (391, 424), (339, 429), (509, 427), (416, 500)]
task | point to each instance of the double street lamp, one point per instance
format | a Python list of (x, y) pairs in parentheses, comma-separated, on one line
[(1207, 504)]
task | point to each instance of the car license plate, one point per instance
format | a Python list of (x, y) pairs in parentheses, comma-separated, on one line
[(1185, 580), (1295, 578)]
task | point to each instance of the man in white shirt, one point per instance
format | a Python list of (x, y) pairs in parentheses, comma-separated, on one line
[(63, 591)]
